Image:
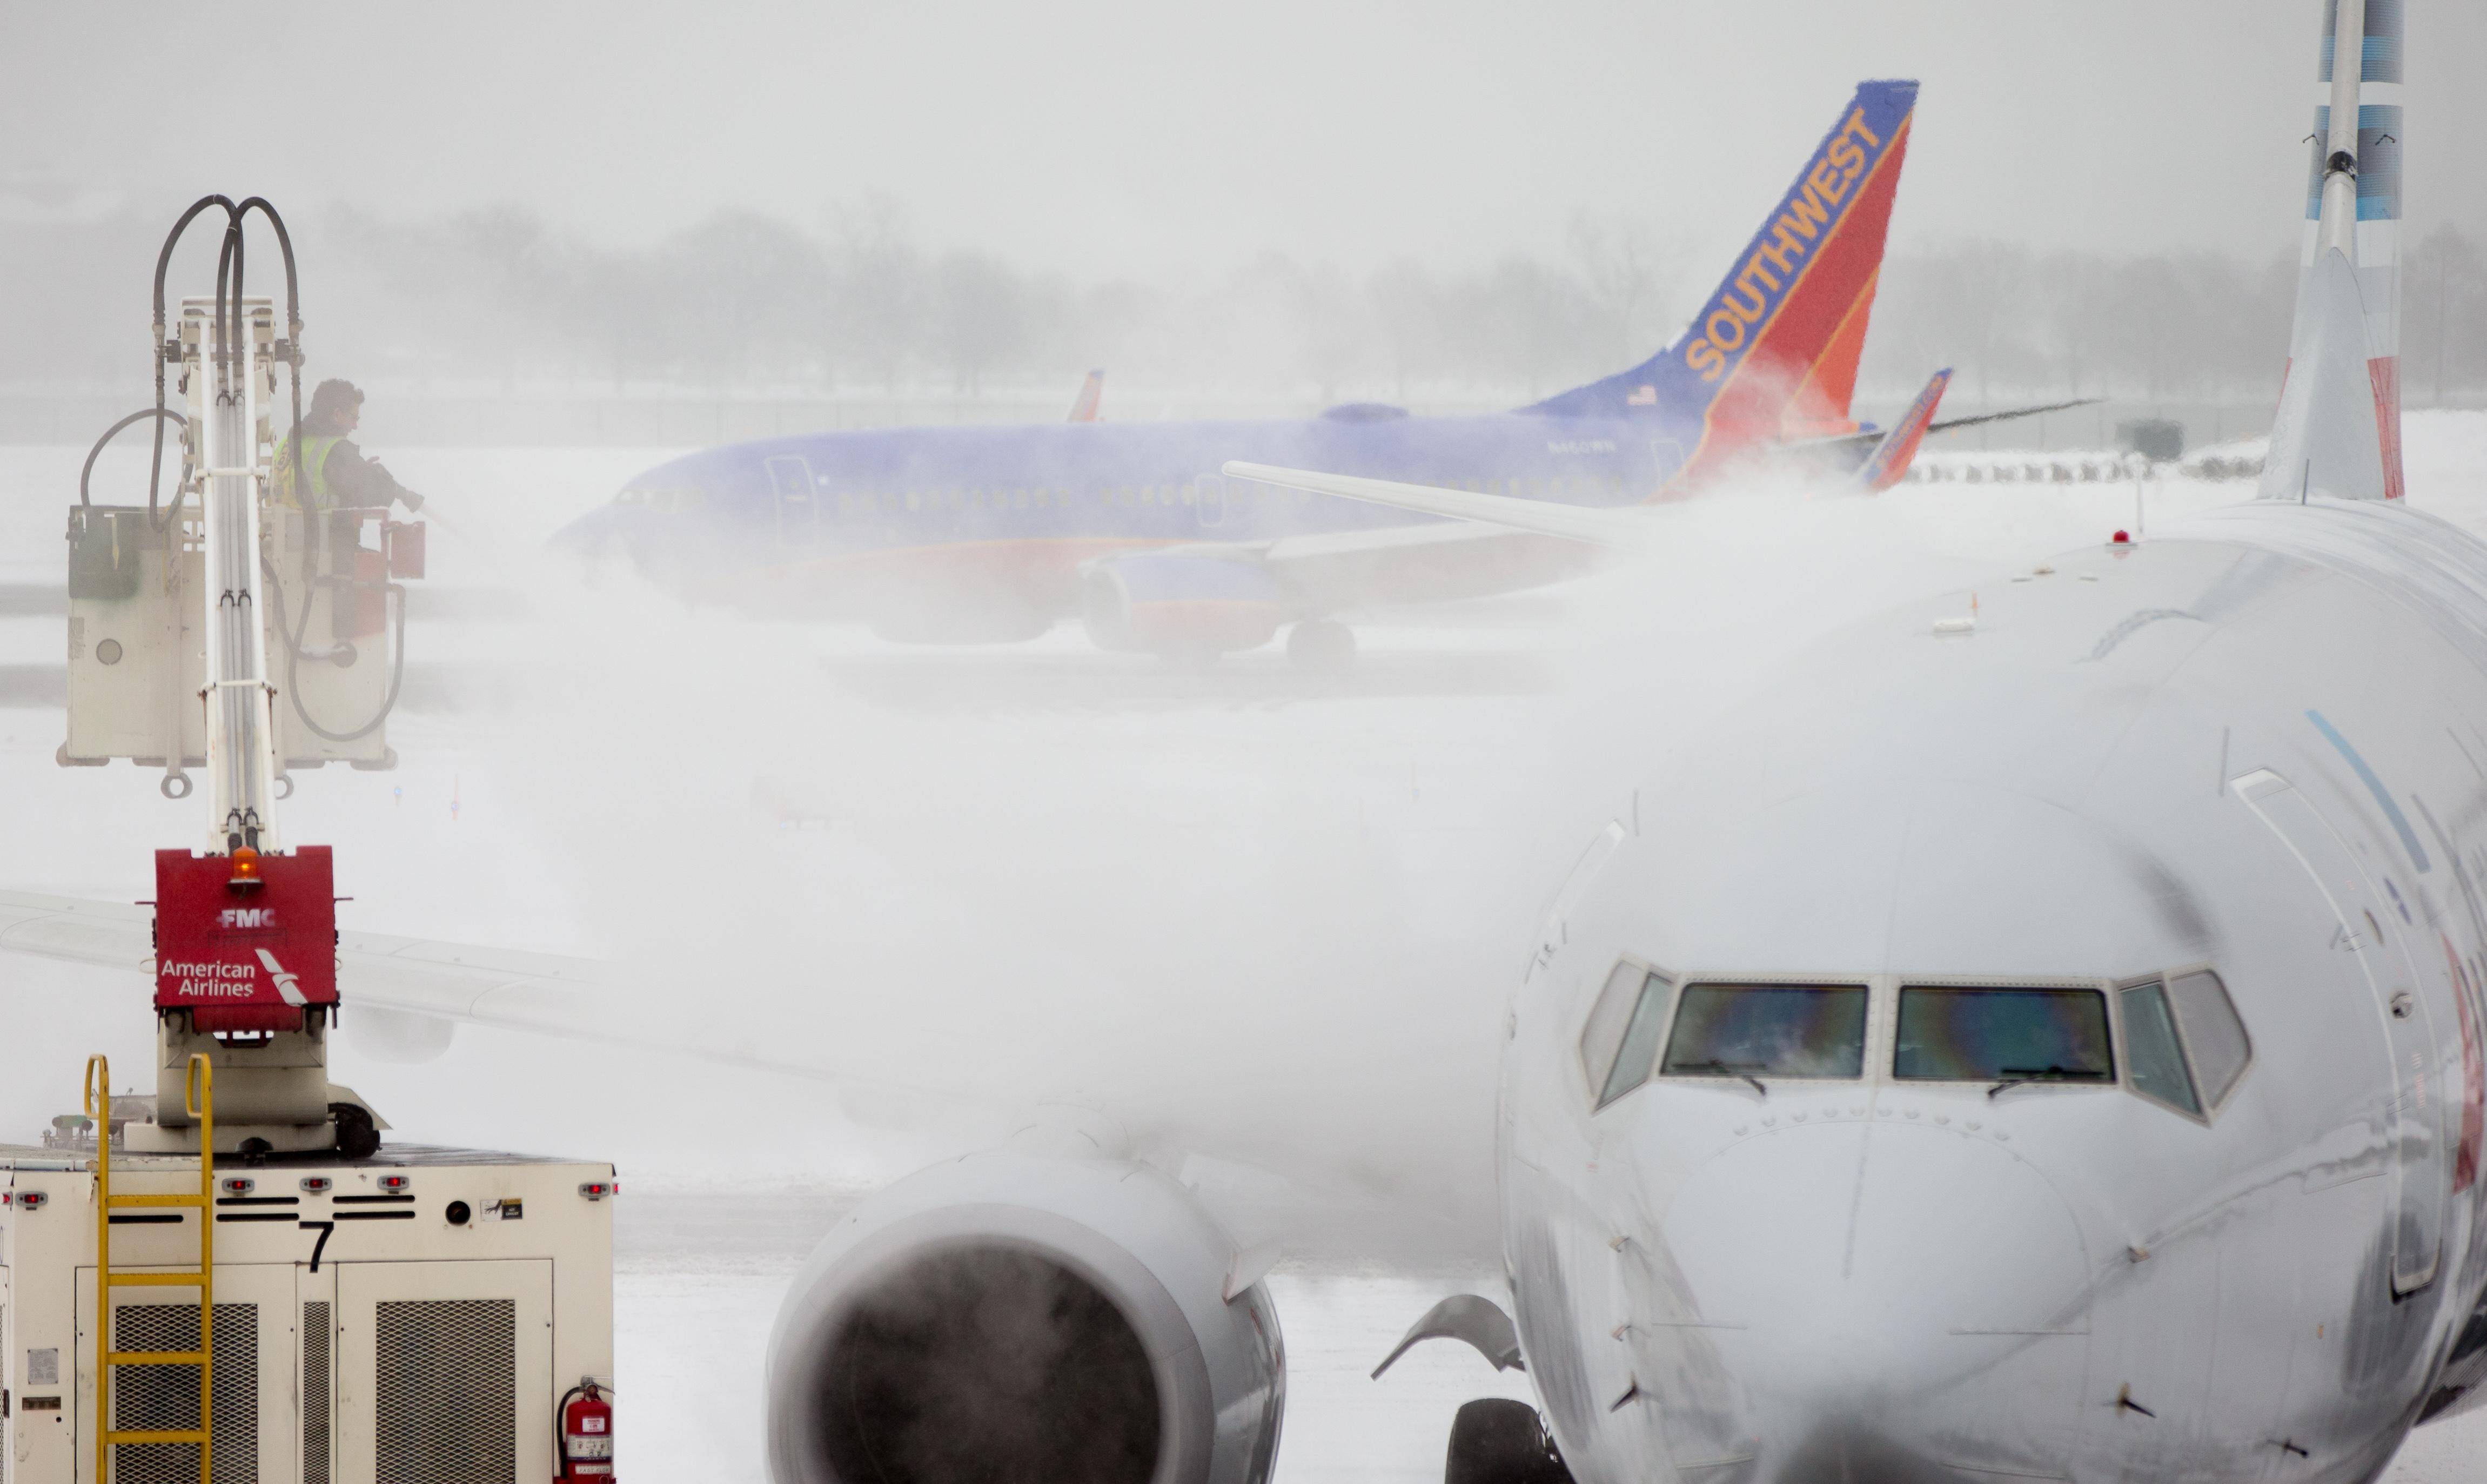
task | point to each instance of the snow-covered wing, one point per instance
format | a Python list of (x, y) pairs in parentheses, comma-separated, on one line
[(107, 933), (574, 998), (1626, 530), (450, 982)]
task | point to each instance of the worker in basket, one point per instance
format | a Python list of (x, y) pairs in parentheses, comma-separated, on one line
[(335, 471)]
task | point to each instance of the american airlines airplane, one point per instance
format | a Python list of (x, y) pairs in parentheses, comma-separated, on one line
[(2041, 1043), (2045, 1041)]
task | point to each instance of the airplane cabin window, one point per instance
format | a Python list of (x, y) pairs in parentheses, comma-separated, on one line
[(1768, 1030), (2152, 1052), (2213, 1032), (1997, 1035)]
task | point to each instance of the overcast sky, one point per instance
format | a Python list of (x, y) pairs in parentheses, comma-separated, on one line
[(1103, 139)]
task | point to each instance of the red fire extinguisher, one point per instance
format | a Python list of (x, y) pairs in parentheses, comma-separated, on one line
[(586, 1436)]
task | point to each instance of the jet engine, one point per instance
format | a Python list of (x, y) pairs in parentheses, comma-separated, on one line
[(1180, 603), (397, 1036), (1038, 1318)]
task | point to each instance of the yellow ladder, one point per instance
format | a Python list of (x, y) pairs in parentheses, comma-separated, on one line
[(199, 1097)]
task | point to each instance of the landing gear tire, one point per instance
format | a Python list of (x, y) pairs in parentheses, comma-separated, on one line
[(357, 1138), (1499, 1441), (1321, 644)]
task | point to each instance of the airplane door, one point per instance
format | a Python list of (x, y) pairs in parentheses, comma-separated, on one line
[(1667, 456), (789, 479), (2421, 1169), (1209, 491)]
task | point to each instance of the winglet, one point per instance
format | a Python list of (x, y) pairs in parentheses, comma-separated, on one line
[(1083, 407), (1889, 461), (2338, 429)]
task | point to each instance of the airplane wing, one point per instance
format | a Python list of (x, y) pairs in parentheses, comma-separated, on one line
[(1949, 423), (1621, 529), (545, 993), (1865, 435), (1283, 1180)]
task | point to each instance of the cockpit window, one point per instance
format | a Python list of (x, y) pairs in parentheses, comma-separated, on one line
[(2213, 1032), (1756, 1031), (1621, 1039), (1997, 1035), (2154, 1058)]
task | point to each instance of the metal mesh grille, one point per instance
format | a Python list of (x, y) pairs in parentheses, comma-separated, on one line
[(166, 1397), (448, 1392), (315, 1329)]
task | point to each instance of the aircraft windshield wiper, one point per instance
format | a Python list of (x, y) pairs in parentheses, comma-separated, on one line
[(1724, 1069), (2021, 1076)]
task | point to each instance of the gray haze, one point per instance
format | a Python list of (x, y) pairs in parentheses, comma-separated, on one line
[(1127, 138), (1434, 204)]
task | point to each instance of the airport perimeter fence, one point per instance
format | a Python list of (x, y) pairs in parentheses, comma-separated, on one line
[(417, 418)]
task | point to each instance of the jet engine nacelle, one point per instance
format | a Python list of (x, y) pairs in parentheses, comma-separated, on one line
[(397, 1035), (1181, 603), (1016, 1317)]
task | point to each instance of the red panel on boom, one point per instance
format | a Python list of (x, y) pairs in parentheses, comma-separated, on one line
[(245, 960)]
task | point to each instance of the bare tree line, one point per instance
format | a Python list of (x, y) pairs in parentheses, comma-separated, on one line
[(745, 302)]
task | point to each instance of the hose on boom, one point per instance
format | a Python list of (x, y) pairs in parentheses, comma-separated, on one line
[(228, 331)]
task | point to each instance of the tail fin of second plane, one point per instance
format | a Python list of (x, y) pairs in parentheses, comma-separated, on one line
[(2338, 427), (1775, 349), (1889, 461), (1092, 391)]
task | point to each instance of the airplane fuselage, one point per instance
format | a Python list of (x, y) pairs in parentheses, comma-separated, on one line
[(1934, 1155), (886, 522)]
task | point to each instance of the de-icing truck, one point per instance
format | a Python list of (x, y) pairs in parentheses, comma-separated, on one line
[(231, 1275)]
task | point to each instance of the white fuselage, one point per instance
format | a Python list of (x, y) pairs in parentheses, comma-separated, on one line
[(2252, 747)]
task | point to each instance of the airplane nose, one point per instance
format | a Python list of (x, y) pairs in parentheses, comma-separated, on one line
[(1872, 1299)]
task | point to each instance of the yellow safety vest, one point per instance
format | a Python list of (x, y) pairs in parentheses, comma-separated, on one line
[(314, 469)]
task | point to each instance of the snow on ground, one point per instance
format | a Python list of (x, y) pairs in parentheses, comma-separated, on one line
[(1299, 900)]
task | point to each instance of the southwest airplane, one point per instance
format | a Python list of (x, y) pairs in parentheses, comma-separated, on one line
[(995, 533), (2042, 1044)]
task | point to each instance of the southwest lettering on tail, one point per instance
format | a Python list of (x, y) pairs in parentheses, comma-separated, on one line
[(1781, 253)]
